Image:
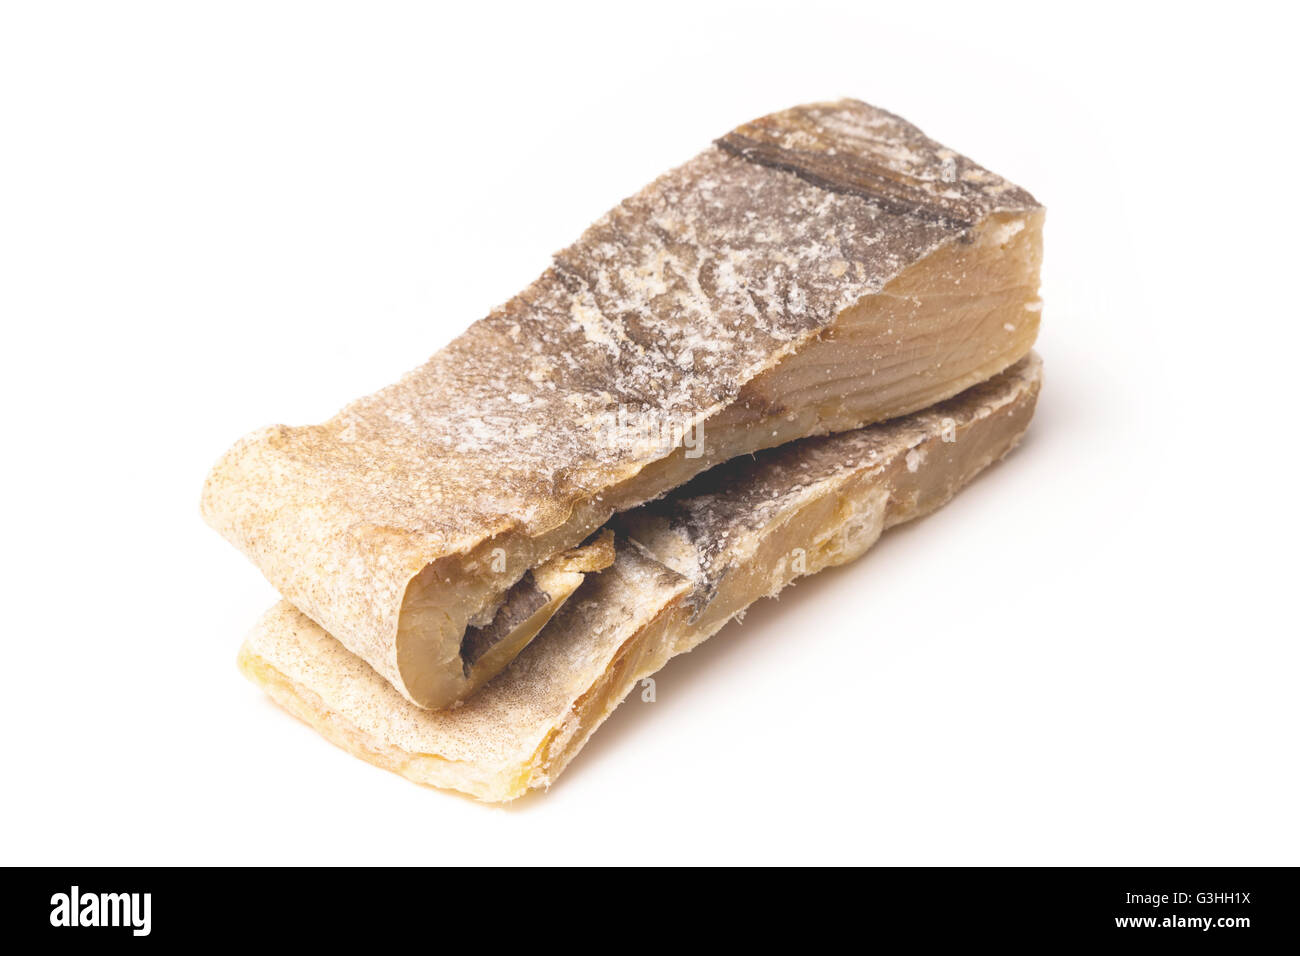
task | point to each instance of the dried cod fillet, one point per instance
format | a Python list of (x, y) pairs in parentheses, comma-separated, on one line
[(814, 271), (693, 561)]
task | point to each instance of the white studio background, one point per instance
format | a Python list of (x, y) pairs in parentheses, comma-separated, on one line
[(218, 216)]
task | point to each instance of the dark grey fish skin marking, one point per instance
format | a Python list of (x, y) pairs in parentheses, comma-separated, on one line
[(703, 595), (522, 601), (853, 176), (703, 583), (851, 148), (700, 530)]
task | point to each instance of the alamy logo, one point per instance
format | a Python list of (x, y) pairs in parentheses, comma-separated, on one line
[(101, 909), (643, 431)]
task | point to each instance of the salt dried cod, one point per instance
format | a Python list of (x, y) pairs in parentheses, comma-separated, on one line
[(684, 567), (812, 272)]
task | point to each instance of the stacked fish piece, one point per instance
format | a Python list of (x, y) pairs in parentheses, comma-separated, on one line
[(815, 329)]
